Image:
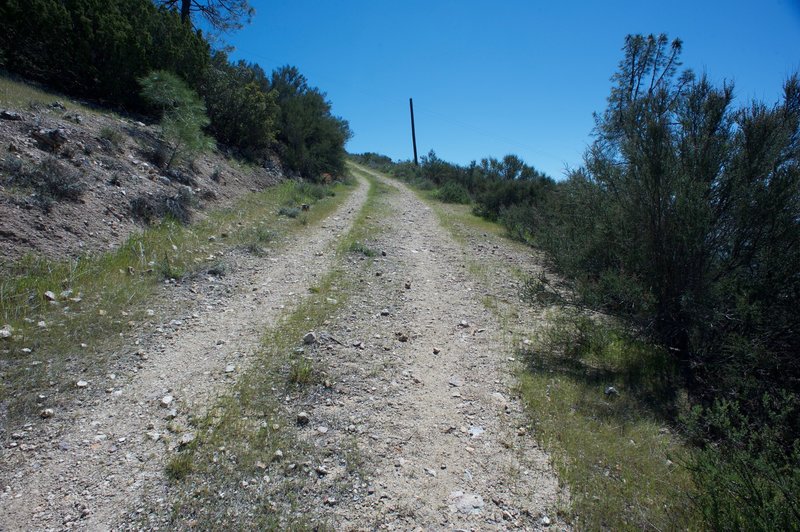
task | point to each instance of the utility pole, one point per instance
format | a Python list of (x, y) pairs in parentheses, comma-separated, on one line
[(413, 132)]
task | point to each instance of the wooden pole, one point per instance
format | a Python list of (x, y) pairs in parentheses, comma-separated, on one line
[(413, 132)]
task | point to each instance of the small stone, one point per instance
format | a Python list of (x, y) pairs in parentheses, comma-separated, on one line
[(46, 413), (545, 521), (50, 296), (436, 350), (403, 337), (261, 465), (81, 384), (467, 503), (408, 285), (611, 391), (322, 429), (475, 431), (42, 325), (151, 312), (321, 471), (310, 338), (212, 238), (463, 324), (385, 312), (430, 472), (278, 455), (303, 418), (166, 401), (230, 368), (155, 436), (10, 115), (186, 438), (5, 332)]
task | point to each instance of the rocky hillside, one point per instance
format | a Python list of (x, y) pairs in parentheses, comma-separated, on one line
[(75, 179)]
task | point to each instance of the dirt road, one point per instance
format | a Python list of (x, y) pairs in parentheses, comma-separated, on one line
[(423, 389)]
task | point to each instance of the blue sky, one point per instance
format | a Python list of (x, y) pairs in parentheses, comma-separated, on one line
[(491, 78)]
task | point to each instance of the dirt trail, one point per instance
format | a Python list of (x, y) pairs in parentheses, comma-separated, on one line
[(422, 391), (86, 467), (424, 388)]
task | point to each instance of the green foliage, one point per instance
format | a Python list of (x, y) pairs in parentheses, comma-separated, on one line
[(98, 48), (363, 249), (289, 212), (183, 114), (311, 139), (686, 220), (452, 192), (242, 107), (745, 479), (179, 466)]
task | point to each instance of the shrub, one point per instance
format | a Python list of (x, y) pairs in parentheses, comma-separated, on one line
[(452, 192), (242, 107), (311, 140), (151, 208), (51, 179), (290, 212), (112, 136), (183, 117)]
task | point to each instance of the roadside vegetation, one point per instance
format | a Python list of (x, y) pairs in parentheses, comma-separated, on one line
[(103, 51), (678, 241)]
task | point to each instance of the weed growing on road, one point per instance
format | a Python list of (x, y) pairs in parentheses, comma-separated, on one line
[(237, 444)]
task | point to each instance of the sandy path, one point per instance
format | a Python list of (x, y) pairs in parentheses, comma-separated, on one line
[(86, 467), (445, 442)]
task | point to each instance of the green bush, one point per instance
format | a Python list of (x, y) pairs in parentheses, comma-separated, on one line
[(98, 49), (452, 192), (310, 139), (183, 116), (242, 107)]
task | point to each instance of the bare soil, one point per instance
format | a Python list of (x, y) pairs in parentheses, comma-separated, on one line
[(112, 173)]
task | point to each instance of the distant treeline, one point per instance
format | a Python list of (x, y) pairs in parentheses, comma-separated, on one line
[(99, 49), (684, 221)]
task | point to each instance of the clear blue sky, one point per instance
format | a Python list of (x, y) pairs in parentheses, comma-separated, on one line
[(491, 78)]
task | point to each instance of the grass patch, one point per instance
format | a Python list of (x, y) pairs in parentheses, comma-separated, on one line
[(599, 401), (179, 466), (235, 450), (22, 95), (363, 249), (84, 304)]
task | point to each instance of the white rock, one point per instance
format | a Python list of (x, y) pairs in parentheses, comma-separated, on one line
[(467, 503), (230, 368), (46, 413), (81, 384), (50, 296), (166, 401)]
